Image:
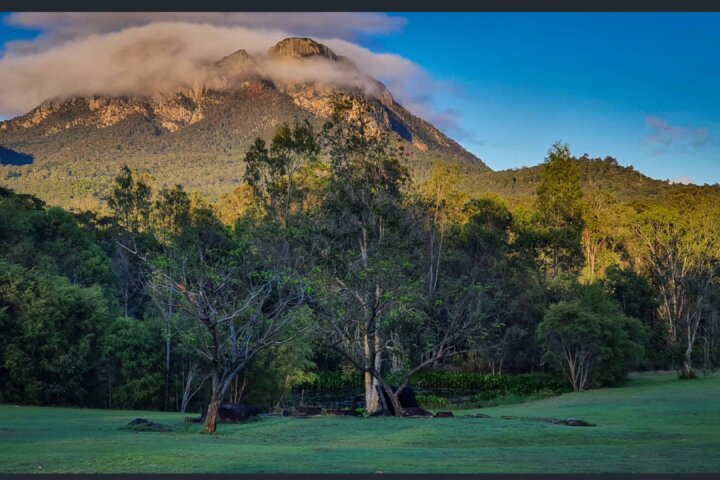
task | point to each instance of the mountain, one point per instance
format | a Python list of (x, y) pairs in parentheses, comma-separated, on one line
[(242, 97), (67, 151)]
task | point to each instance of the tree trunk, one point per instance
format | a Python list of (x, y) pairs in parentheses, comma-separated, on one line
[(395, 399), (168, 349), (372, 400), (218, 392), (686, 371), (212, 412), (167, 370)]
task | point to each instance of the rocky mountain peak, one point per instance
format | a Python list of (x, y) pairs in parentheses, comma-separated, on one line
[(239, 64), (299, 47), (239, 58)]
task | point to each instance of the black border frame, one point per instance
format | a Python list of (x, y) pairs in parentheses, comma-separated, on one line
[(364, 6)]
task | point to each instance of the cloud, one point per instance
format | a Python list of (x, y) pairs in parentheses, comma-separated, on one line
[(684, 180), (668, 138), (81, 54), (58, 27)]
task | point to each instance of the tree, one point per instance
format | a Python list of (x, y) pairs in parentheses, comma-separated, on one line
[(604, 234), (559, 208), (360, 218), (589, 340), (443, 203), (130, 204), (273, 172), (478, 251), (238, 302), (373, 242), (681, 252), (637, 298), (130, 201), (171, 216)]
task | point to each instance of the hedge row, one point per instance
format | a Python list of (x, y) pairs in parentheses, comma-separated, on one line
[(522, 384), (331, 381)]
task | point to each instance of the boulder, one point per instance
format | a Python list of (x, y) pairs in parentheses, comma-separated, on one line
[(407, 400), (305, 411), (139, 421), (234, 412), (574, 422), (415, 412), (342, 412), (141, 424), (444, 414)]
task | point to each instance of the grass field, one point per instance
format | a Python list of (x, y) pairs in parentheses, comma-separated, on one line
[(655, 424)]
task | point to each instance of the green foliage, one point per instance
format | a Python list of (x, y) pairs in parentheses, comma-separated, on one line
[(276, 372), (328, 381), (51, 330), (130, 201), (589, 339), (132, 354), (521, 384), (50, 240), (559, 209), (431, 401), (638, 299)]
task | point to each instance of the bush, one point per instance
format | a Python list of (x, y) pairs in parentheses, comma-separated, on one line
[(590, 340), (431, 401), (331, 381), (523, 384)]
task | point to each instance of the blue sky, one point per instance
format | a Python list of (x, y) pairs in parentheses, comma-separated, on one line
[(641, 87), (644, 88)]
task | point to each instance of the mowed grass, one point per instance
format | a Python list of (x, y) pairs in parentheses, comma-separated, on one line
[(654, 424)]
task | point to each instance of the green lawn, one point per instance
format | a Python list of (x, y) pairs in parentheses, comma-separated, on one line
[(655, 424)]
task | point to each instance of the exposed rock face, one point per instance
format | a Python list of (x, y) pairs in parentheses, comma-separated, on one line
[(301, 47), (241, 98)]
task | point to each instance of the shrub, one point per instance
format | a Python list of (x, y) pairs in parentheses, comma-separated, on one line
[(523, 384), (331, 381), (432, 401)]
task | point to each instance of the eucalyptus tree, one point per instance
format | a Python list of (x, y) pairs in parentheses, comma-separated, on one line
[(560, 209), (360, 219), (372, 244), (680, 249)]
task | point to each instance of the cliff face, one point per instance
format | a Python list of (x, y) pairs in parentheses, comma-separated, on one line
[(242, 97)]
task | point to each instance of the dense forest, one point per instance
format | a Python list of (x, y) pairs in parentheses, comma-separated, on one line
[(332, 255)]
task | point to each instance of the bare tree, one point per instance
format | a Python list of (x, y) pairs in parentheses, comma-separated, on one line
[(234, 303), (236, 314)]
